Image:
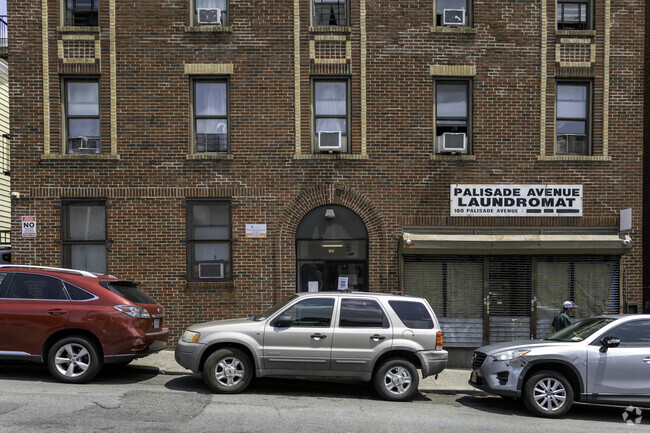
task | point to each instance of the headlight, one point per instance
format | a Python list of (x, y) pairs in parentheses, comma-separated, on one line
[(509, 355), (190, 337)]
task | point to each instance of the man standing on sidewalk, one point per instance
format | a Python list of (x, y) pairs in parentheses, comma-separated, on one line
[(562, 319)]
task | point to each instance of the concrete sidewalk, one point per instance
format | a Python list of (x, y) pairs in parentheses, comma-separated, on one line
[(450, 381)]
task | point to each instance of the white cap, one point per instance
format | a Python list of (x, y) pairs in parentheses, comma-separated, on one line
[(569, 304)]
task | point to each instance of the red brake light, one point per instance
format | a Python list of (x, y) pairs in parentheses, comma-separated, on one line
[(439, 340)]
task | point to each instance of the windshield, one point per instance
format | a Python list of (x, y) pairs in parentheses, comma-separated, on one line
[(272, 310), (581, 330)]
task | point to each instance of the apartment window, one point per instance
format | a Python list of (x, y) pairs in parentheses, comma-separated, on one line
[(453, 12), (330, 13), (331, 115), (211, 132), (452, 116), (82, 116), (211, 13), (83, 235), (573, 15), (209, 240), (572, 122), (82, 13)]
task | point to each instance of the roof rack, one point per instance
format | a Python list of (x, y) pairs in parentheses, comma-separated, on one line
[(47, 268)]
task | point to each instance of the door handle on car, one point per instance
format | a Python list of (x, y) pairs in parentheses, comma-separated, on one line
[(56, 312), (318, 336), (377, 337), (646, 360)]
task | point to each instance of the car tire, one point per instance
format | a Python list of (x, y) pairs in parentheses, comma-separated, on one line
[(396, 379), (228, 371), (548, 394), (74, 360)]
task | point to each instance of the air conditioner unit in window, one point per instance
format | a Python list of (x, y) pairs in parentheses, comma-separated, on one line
[(211, 270), (453, 17), (84, 145), (330, 141), (209, 16), (453, 142)]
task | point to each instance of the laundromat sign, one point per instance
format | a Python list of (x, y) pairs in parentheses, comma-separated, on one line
[(515, 200)]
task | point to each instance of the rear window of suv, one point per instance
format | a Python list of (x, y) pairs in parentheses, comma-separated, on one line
[(412, 314), (129, 291)]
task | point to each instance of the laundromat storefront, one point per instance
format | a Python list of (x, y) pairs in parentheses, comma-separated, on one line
[(487, 288)]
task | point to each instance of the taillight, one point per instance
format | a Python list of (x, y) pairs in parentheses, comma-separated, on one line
[(439, 340), (133, 311)]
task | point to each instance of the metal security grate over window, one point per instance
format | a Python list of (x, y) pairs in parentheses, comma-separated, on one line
[(488, 299)]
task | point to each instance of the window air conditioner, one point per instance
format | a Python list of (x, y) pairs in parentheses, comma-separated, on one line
[(329, 141), (211, 270), (453, 17), (83, 145), (209, 16), (453, 142)]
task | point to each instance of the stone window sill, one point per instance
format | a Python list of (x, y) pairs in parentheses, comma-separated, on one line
[(208, 29), (330, 156), (209, 156), (78, 29), (78, 156)]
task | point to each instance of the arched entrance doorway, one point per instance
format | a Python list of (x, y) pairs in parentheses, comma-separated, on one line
[(331, 250)]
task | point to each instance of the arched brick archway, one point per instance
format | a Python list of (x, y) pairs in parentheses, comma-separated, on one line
[(382, 255)]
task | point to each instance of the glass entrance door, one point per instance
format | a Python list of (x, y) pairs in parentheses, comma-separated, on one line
[(344, 276), (331, 251)]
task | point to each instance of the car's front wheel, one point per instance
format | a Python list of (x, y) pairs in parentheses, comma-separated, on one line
[(548, 394), (74, 360), (396, 379), (228, 371)]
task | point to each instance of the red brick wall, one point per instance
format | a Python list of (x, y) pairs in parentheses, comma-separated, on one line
[(398, 184)]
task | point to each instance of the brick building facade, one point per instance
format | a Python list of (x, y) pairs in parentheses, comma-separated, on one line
[(227, 153)]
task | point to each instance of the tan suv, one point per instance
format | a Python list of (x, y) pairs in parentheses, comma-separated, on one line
[(381, 337)]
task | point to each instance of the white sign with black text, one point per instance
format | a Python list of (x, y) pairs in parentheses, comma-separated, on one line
[(515, 200)]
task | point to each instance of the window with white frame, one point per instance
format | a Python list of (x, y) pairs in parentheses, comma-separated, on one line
[(452, 111), (83, 235), (574, 15), (81, 13), (210, 116), (453, 12), (211, 13), (572, 118), (330, 13), (331, 115), (209, 240), (81, 108)]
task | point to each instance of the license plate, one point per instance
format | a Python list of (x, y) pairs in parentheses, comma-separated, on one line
[(156, 323), (473, 377)]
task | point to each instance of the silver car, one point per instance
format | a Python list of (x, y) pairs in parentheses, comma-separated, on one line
[(368, 336), (602, 359)]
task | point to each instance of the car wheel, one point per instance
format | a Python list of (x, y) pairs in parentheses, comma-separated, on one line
[(228, 371), (548, 394), (74, 360), (396, 379)]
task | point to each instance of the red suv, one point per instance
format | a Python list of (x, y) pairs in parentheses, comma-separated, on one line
[(75, 321)]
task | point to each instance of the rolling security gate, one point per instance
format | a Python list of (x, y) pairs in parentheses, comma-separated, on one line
[(590, 282), (488, 299), (454, 288)]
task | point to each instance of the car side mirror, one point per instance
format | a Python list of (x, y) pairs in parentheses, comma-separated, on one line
[(608, 342), (283, 322)]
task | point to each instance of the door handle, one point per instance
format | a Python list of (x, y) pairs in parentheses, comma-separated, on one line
[(377, 337), (646, 360), (56, 312), (318, 337)]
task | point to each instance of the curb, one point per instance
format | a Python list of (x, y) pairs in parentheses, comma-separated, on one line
[(429, 390)]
